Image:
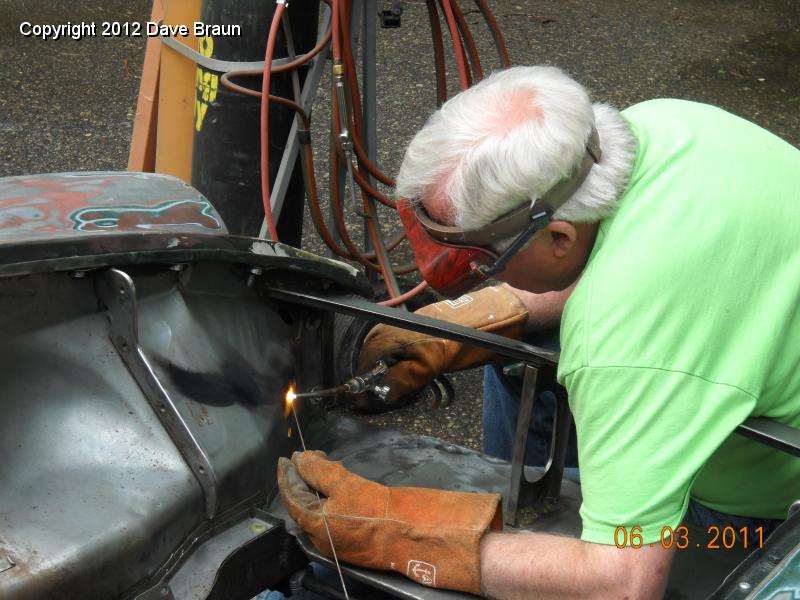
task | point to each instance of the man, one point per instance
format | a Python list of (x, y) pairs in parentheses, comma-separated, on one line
[(674, 271)]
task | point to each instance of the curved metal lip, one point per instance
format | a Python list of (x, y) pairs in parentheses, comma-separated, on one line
[(84, 253)]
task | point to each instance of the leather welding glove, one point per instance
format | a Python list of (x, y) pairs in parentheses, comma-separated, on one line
[(431, 536), (416, 359)]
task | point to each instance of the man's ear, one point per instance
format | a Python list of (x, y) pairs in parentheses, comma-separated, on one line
[(563, 236)]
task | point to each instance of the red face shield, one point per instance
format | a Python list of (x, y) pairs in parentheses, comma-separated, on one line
[(450, 270), (453, 260)]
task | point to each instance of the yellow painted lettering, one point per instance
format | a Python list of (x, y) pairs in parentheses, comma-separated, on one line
[(212, 92), (206, 85), (200, 109), (206, 46)]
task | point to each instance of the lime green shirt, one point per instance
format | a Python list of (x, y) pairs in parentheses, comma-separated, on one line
[(685, 322)]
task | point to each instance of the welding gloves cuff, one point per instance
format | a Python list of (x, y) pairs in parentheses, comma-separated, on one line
[(417, 359), (431, 536)]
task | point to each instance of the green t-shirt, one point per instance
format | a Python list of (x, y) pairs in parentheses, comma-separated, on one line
[(685, 322)]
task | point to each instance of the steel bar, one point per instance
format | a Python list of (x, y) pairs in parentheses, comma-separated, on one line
[(778, 435), (350, 305)]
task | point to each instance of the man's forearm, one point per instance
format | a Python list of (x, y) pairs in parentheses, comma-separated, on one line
[(544, 310), (542, 566)]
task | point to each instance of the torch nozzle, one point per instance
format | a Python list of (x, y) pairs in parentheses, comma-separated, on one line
[(356, 385), (320, 393)]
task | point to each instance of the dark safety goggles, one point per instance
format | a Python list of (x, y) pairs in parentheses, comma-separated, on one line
[(454, 260)]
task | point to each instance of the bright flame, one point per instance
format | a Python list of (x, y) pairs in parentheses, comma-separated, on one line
[(290, 396)]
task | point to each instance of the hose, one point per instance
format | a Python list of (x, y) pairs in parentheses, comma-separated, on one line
[(273, 36), (469, 42), (438, 52), (347, 126), (406, 296), (458, 48)]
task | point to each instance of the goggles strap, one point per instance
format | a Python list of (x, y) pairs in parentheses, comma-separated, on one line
[(539, 220)]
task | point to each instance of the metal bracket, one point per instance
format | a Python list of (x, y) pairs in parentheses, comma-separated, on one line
[(213, 64), (546, 489), (117, 292)]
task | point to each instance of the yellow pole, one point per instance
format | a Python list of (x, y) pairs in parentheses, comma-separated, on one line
[(176, 96)]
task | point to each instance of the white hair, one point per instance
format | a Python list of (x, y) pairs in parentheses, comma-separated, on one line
[(488, 155)]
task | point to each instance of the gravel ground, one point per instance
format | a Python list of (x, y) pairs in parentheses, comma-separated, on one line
[(68, 105)]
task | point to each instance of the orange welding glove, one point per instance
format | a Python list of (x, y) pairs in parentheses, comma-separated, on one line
[(416, 359), (430, 536)]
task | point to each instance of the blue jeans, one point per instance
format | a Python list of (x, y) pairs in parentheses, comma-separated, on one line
[(500, 407)]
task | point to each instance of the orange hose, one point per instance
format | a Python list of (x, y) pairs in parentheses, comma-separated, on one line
[(406, 296), (469, 41), (497, 33), (438, 52), (461, 59), (336, 44), (273, 36)]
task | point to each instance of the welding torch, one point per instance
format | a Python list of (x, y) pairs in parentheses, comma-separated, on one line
[(356, 385)]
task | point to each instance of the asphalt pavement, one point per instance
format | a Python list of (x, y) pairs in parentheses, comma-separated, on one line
[(68, 105)]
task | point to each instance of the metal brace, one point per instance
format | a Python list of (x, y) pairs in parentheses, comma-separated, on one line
[(546, 489), (117, 292)]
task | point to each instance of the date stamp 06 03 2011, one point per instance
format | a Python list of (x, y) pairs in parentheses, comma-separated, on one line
[(112, 29), (718, 538)]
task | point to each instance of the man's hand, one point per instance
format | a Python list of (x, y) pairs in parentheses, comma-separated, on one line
[(430, 536), (416, 359)]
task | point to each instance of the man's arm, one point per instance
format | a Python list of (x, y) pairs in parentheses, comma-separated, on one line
[(544, 310), (537, 565)]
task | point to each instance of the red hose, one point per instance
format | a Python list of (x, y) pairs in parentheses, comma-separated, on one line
[(336, 43), (273, 36), (455, 35), (468, 64), (406, 296)]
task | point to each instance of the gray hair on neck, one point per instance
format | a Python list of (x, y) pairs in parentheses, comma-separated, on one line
[(488, 155)]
